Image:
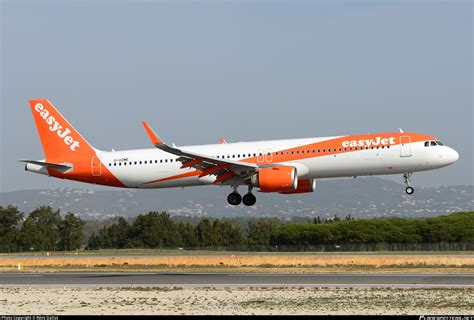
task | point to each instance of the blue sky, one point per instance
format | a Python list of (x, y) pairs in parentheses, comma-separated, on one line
[(198, 71)]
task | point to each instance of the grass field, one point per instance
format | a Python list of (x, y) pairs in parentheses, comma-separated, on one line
[(246, 262)]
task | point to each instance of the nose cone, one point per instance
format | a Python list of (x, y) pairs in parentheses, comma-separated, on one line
[(451, 155)]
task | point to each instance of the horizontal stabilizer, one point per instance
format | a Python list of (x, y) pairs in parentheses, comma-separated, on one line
[(55, 166)]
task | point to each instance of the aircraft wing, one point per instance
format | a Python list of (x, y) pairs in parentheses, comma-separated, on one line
[(223, 169)]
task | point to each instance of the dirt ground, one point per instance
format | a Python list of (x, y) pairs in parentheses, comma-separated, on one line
[(201, 301)]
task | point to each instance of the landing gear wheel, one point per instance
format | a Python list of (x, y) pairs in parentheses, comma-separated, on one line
[(409, 190), (406, 179), (234, 198), (249, 199)]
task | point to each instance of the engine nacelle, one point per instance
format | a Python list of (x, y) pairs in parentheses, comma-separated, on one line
[(276, 179), (304, 186)]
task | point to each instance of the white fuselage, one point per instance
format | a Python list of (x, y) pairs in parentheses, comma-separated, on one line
[(154, 168)]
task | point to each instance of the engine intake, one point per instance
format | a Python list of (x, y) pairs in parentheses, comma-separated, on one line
[(276, 179)]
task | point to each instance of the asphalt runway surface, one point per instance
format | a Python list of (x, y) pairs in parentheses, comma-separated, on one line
[(123, 279)]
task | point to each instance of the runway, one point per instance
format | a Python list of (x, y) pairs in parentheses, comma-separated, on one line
[(122, 279)]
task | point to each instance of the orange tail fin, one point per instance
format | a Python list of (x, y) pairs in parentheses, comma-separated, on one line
[(60, 140), (65, 148)]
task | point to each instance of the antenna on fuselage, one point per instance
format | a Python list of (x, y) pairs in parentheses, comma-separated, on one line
[(401, 130)]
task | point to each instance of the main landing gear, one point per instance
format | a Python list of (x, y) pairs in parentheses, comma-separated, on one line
[(235, 198), (406, 179)]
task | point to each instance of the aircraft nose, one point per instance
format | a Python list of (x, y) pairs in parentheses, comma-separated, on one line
[(451, 155)]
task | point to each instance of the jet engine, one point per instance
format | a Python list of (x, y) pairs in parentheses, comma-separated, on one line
[(275, 179), (304, 186)]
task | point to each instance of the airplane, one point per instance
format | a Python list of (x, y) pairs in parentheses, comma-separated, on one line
[(286, 167)]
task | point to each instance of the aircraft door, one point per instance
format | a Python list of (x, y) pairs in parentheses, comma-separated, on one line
[(405, 146), (261, 155), (268, 155), (96, 166)]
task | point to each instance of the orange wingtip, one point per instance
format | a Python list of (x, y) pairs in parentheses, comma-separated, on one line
[(153, 136)]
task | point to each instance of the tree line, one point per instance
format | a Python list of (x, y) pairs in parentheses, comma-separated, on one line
[(160, 230), (452, 232), (44, 229)]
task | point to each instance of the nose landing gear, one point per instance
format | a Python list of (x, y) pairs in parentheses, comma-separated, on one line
[(406, 179)]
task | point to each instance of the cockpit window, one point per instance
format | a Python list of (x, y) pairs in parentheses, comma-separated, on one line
[(427, 143), (440, 143), (433, 143)]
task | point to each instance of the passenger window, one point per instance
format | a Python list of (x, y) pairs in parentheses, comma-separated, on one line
[(115, 164), (110, 164)]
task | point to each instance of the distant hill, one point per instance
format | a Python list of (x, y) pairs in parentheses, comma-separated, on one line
[(361, 197)]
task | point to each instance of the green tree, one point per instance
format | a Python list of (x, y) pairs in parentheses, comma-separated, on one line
[(259, 231), (188, 234), (10, 219), (41, 229), (227, 233), (156, 230), (70, 229), (205, 233)]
